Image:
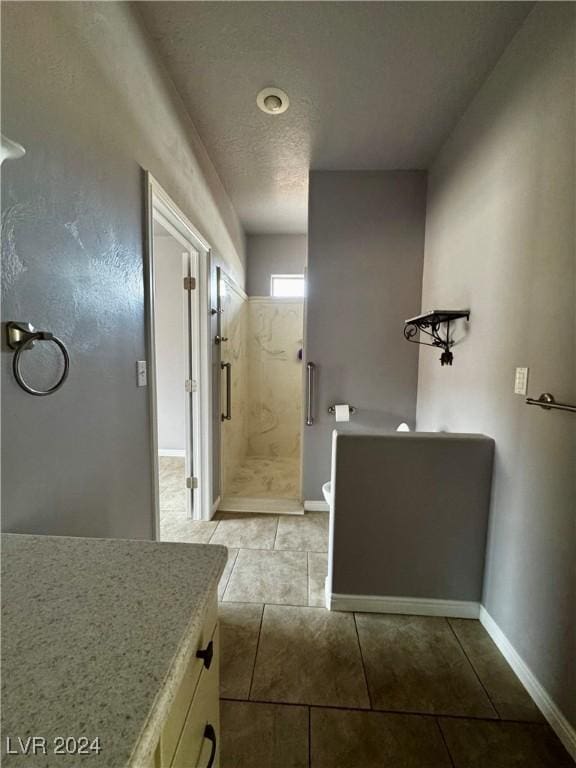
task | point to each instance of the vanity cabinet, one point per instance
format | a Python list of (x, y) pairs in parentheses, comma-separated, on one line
[(158, 650), (191, 734)]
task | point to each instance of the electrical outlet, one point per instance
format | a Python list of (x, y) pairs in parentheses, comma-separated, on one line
[(141, 373), (521, 381)]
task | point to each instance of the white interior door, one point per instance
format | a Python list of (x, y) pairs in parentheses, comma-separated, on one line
[(188, 347)]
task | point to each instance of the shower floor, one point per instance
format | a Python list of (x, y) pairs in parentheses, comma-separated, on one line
[(267, 478)]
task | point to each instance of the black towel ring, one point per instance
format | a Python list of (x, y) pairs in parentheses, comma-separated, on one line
[(22, 336)]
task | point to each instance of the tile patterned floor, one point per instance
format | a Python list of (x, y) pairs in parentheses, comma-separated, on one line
[(341, 737), (263, 736), (244, 531), (317, 570), (307, 533), (302, 687), (240, 629), (269, 576), (309, 656), (406, 659), (484, 744), (501, 684)]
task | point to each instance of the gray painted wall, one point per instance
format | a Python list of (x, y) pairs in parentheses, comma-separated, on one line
[(365, 252), (268, 255), (500, 238), (420, 528), (92, 106)]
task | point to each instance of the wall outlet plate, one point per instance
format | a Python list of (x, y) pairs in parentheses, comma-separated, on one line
[(141, 373), (521, 381)]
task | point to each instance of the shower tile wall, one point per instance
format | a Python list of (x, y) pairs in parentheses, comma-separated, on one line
[(234, 432), (275, 330)]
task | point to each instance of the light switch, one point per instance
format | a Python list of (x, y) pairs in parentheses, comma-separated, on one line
[(521, 381), (141, 373)]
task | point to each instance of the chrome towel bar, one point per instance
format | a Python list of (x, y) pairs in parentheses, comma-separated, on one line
[(547, 401), (310, 371), (228, 368)]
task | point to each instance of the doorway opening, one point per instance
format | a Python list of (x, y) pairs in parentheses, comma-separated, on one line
[(179, 374), (260, 345)]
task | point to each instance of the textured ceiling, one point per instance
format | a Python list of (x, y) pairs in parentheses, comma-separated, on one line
[(372, 85)]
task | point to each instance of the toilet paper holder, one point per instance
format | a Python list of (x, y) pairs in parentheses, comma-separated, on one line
[(332, 409)]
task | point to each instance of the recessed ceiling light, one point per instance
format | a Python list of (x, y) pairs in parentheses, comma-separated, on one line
[(273, 101)]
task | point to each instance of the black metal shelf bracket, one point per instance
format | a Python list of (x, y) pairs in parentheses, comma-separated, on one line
[(436, 325)]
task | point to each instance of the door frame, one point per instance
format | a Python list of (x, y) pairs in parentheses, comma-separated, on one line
[(159, 205), (190, 327)]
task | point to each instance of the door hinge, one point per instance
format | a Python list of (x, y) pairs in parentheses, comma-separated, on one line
[(191, 385), (189, 283), (192, 482)]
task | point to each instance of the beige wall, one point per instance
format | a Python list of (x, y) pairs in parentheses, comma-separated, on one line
[(275, 331), (500, 239)]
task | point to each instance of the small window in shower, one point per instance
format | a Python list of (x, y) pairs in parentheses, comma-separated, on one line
[(287, 286)]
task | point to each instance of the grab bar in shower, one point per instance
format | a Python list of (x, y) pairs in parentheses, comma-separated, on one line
[(310, 371), (547, 401), (228, 368)]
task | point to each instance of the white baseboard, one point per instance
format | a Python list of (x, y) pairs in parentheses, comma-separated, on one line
[(412, 606), (215, 505), (559, 724), (176, 452), (316, 506)]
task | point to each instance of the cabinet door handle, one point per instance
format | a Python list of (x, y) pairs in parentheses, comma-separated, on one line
[(210, 735), (206, 654)]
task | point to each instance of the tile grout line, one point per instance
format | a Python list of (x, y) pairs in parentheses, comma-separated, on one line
[(399, 712), (276, 533), (221, 600), (229, 579), (276, 605), (214, 531), (362, 660), (256, 653), (473, 669), (303, 549), (443, 737), (251, 549)]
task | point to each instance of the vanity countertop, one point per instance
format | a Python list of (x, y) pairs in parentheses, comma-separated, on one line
[(96, 634)]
